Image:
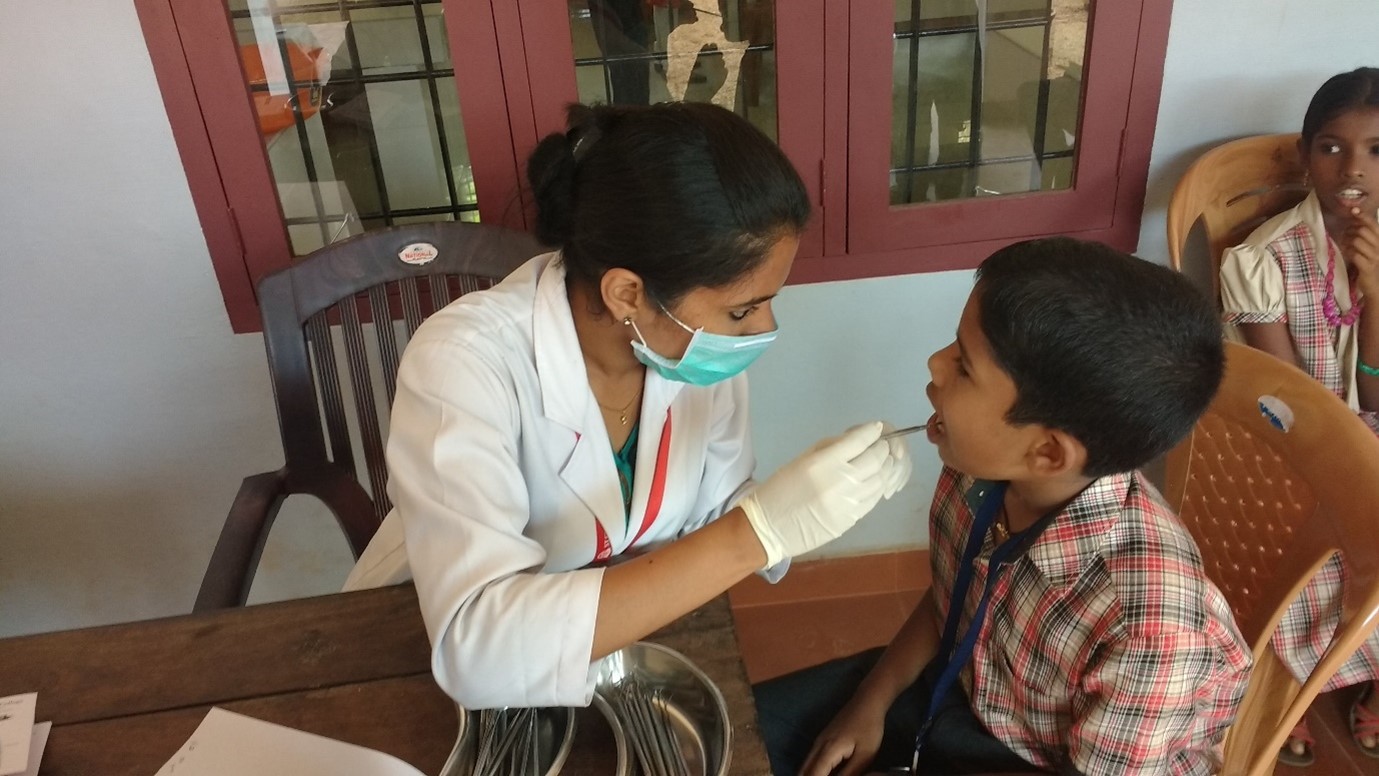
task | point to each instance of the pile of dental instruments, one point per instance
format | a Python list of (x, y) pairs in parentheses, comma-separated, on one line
[(646, 717), (509, 743)]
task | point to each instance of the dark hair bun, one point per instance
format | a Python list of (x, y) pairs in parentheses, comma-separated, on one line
[(686, 195), (551, 174)]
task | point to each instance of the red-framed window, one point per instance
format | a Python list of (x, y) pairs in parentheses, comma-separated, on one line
[(928, 132), (1094, 143)]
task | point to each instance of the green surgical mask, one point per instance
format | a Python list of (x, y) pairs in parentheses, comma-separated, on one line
[(708, 359)]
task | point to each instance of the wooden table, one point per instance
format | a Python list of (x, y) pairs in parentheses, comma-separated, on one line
[(352, 666)]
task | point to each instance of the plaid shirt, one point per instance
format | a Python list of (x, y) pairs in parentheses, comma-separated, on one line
[(1104, 647), (1289, 242), (1279, 274)]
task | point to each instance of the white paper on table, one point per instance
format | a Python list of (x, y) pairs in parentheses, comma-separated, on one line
[(16, 731), (36, 745), (230, 744)]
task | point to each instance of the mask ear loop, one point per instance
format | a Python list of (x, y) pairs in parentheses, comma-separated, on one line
[(627, 321), (680, 323)]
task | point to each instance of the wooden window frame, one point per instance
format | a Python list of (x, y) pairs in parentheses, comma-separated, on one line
[(868, 237), (831, 97), (195, 57)]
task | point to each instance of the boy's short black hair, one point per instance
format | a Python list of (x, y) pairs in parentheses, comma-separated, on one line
[(1122, 354)]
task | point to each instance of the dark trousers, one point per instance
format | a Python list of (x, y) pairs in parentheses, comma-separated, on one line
[(621, 30), (794, 709)]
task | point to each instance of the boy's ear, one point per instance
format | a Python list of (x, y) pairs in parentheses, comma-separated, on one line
[(1057, 453)]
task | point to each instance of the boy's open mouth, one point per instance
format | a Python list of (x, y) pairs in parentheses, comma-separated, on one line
[(935, 427)]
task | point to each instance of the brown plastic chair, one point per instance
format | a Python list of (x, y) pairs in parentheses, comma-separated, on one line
[(300, 307), (1234, 188), (1268, 507)]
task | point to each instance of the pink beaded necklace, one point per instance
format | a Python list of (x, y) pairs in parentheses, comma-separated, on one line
[(1330, 309)]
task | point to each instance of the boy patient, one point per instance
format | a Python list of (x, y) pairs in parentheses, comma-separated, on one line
[(1069, 627)]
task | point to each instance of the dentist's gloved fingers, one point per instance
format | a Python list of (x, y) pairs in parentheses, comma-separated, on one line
[(787, 535), (868, 463), (866, 497), (897, 476), (819, 495), (850, 443), (900, 465), (899, 447), (887, 472)]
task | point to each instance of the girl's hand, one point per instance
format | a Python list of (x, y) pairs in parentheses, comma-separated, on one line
[(849, 743), (1360, 244)]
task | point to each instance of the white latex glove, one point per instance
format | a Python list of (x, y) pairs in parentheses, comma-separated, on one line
[(896, 471), (822, 493)]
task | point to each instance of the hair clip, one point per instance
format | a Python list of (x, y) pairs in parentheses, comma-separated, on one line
[(587, 139)]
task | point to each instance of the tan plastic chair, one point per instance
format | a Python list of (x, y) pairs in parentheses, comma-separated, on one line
[(1234, 188), (313, 309), (1268, 507)]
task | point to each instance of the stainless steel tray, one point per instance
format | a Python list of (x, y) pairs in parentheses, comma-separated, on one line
[(689, 701), (555, 734)]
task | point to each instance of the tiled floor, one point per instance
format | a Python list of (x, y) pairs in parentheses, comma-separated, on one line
[(1335, 752), (831, 608)]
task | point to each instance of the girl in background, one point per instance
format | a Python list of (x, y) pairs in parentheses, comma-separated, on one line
[(1305, 288)]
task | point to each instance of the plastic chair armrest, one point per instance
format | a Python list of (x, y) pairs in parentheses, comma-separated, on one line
[(236, 555)]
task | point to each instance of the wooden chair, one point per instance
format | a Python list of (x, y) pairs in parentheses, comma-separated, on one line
[(301, 306), (1277, 476), (1234, 188)]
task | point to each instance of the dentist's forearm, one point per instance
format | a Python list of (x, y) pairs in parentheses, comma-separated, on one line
[(653, 590)]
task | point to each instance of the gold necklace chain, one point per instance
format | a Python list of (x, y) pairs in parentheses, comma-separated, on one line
[(622, 413)]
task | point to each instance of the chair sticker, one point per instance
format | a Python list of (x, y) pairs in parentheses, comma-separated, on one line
[(1277, 412), (418, 254)]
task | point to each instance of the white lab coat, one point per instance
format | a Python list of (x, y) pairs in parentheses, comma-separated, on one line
[(504, 487)]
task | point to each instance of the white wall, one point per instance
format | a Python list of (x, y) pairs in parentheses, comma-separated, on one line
[(852, 352), (129, 412)]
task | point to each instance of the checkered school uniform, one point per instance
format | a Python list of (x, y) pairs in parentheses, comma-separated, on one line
[(1105, 646), (1279, 274)]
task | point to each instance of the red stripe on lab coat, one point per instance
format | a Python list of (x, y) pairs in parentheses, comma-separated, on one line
[(658, 482), (604, 549)]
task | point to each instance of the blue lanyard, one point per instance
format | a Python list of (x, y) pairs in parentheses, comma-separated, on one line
[(952, 660)]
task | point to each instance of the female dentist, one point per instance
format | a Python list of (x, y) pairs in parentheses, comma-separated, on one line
[(570, 451)]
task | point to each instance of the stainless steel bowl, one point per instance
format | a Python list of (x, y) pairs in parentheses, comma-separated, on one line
[(693, 706), (626, 765), (555, 734)]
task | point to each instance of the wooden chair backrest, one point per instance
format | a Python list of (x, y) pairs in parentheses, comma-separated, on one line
[(320, 308), (1275, 478), (1233, 188)]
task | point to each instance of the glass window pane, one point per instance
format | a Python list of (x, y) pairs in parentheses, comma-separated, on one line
[(359, 114), (639, 52), (467, 196), (985, 101)]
